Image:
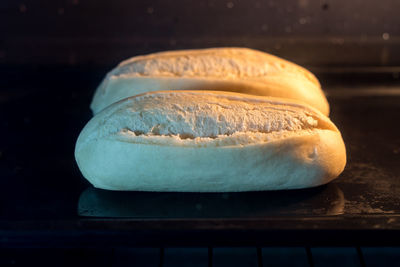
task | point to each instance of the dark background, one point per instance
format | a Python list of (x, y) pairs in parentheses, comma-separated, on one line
[(317, 33), (53, 55)]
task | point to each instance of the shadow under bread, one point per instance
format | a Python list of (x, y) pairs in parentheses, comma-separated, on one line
[(323, 200)]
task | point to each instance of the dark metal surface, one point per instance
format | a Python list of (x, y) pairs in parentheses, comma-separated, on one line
[(324, 200), (45, 200), (203, 256)]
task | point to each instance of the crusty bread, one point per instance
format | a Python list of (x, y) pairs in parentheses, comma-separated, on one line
[(239, 70), (207, 141)]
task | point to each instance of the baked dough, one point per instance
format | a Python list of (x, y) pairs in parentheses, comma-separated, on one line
[(239, 70), (207, 141)]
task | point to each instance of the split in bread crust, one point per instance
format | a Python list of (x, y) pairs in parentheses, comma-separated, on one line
[(239, 70), (206, 141)]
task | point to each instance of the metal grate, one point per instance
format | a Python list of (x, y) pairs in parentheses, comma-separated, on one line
[(211, 257)]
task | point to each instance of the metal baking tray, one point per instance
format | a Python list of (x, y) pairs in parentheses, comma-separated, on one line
[(46, 202)]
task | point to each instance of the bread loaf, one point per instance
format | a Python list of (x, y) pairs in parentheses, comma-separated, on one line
[(239, 70), (207, 141)]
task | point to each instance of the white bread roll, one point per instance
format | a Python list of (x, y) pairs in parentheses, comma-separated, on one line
[(239, 70), (206, 141)]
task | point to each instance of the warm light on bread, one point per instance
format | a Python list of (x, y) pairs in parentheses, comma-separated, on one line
[(239, 70), (207, 141)]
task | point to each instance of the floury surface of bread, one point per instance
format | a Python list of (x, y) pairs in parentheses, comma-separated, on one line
[(239, 70), (206, 141)]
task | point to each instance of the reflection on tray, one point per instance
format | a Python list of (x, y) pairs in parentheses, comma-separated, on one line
[(323, 200)]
